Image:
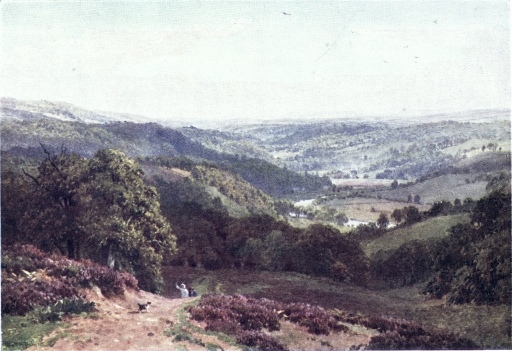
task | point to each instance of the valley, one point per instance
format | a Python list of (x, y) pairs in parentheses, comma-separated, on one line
[(380, 219)]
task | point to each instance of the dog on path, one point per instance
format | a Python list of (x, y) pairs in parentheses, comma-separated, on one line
[(144, 306)]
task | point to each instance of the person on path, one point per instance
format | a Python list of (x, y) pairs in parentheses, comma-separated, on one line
[(183, 289)]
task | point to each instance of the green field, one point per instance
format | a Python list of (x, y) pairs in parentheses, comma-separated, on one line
[(433, 228)]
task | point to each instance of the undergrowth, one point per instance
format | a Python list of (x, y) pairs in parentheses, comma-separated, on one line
[(183, 330), (31, 278), (38, 289), (252, 320)]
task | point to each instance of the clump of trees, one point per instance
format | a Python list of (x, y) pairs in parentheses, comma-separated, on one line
[(209, 237), (407, 215), (98, 208), (212, 239), (473, 263)]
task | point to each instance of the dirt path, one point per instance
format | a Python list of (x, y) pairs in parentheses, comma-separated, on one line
[(117, 325)]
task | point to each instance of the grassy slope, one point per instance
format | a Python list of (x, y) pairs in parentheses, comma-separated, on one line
[(437, 227), (446, 187), (487, 325)]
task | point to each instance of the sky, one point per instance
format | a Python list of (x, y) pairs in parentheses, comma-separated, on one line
[(254, 60)]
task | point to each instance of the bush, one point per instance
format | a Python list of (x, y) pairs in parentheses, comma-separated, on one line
[(400, 334), (245, 318), (314, 318), (34, 278), (18, 298), (260, 340)]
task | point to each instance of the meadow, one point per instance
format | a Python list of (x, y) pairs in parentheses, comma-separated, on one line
[(433, 228)]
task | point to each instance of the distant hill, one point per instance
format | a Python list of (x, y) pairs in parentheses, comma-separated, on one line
[(30, 110), (378, 149), (228, 142), (278, 158), (58, 126)]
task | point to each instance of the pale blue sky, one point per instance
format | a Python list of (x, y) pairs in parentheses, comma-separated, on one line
[(204, 60)]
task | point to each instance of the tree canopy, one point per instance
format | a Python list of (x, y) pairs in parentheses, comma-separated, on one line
[(100, 209)]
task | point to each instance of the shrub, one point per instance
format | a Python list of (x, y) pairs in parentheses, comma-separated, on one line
[(314, 318), (260, 340), (34, 278), (18, 298), (400, 334), (245, 318)]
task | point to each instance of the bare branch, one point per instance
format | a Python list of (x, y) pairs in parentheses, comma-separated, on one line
[(51, 158), (31, 177), (45, 151), (36, 181)]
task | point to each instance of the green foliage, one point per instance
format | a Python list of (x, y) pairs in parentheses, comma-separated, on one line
[(235, 188), (133, 225), (272, 179), (322, 250), (407, 215), (325, 214), (383, 221), (98, 208), (412, 262), (22, 332), (54, 313), (473, 263)]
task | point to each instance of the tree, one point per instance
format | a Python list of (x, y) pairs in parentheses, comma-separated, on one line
[(442, 207), (53, 218), (398, 215), (383, 221), (473, 263), (394, 184), (278, 251), (100, 209), (322, 250), (412, 214), (417, 199), (16, 193), (341, 218)]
